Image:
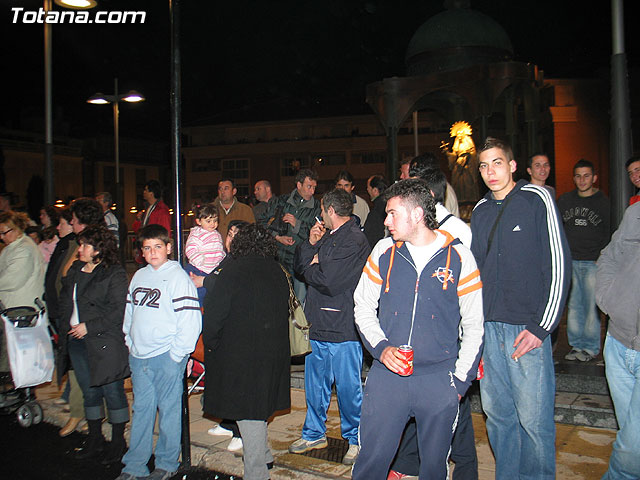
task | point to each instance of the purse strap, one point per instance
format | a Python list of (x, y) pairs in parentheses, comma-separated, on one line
[(495, 224)]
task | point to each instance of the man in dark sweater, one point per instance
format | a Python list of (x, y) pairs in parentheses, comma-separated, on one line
[(586, 218), (523, 257)]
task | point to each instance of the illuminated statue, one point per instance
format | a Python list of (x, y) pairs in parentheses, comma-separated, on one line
[(463, 163)]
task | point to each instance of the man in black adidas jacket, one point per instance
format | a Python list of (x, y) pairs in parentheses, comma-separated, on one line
[(525, 263)]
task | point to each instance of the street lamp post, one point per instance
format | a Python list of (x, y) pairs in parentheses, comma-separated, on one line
[(101, 99), (48, 121)]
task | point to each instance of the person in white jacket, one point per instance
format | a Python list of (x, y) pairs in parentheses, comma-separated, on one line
[(21, 270), (162, 324)]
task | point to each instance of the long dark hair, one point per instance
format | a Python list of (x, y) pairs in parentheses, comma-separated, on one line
[(103, 241)]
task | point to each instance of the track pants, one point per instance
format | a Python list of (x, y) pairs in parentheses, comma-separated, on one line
[(389, 402)]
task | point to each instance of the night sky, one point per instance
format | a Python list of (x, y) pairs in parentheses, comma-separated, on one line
[(264, 59)]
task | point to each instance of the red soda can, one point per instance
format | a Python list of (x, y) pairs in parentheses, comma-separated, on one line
[(406, 352), (480, 370)]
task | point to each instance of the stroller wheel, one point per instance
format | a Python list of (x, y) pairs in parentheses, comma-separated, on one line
[(36, 412), (24, 416)]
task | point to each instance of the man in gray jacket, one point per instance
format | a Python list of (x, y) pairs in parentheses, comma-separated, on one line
[(617, 280)]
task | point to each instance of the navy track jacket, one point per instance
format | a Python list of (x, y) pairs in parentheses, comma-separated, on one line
[(527, 270)]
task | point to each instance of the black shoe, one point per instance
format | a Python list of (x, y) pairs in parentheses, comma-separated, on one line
[(114, 453), (91, 448)]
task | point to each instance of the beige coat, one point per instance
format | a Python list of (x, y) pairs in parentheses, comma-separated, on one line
[(21, 273)]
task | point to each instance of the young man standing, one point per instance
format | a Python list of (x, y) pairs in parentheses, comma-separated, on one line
[(585, 212), (344, 181), (524, 260), (539, 168), (420, 287), (633, 169)]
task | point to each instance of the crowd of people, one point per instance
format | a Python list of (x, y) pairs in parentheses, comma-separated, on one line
[(435, 303)]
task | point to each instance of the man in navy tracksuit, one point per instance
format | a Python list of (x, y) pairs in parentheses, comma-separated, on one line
[(525, 262), (420, 287)]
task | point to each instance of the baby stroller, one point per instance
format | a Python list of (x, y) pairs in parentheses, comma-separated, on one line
[(30, 355)]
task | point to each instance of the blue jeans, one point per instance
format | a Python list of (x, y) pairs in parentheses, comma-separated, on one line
[(329, 362), (623, 376), (518, 399), (583, 321), (95, 397), (157, 385)]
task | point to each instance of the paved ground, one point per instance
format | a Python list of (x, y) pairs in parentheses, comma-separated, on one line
[(582, 452)]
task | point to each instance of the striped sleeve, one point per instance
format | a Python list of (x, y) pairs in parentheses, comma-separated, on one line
[(471, 320), (366, 298), (556, 255)]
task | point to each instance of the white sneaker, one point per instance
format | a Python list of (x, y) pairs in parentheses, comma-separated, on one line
[(235, 444), (218, 430), (351, 455)]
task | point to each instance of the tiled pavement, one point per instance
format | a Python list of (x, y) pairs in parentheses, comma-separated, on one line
[(582, 452)]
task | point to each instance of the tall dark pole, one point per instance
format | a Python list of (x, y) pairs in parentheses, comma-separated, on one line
[(48, 128), (621, 143), (174, 6), (116, 146)]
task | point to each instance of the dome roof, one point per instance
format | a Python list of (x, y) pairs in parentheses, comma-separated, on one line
[(454, 39)]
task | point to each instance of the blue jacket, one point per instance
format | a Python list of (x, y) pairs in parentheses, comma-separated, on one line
[(527, 270), (396, 307), (329, 302)]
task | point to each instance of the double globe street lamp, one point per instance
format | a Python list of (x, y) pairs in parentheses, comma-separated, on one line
[(101, 99)]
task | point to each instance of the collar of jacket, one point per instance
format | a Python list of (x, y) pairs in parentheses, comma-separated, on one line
[(296, 200), (448, 242)]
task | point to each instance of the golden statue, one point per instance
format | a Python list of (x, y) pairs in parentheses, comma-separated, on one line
[(463, 163)]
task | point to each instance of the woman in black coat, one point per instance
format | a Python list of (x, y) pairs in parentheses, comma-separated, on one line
[(246, 339), (92, 304)]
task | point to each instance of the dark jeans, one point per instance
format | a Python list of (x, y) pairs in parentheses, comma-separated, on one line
[(463, 448), (95, 397)]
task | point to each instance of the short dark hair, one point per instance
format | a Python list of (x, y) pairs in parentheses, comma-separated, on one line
[(154, 231), (254, 240), (437, 183), (378, 181), (49, 232), (537, 154), (155, 187), (205, 211), (103, 241), (414, 192), (106, 196), (88, 211), (340, 200), (635, 158), (304, 173), (344, 175), (582, 163), (53, 213), (230, 180), (492, 142), (420, 164), (66, 214)]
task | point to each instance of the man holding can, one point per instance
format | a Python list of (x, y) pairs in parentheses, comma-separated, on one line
[(525, 262), (420, 288)]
